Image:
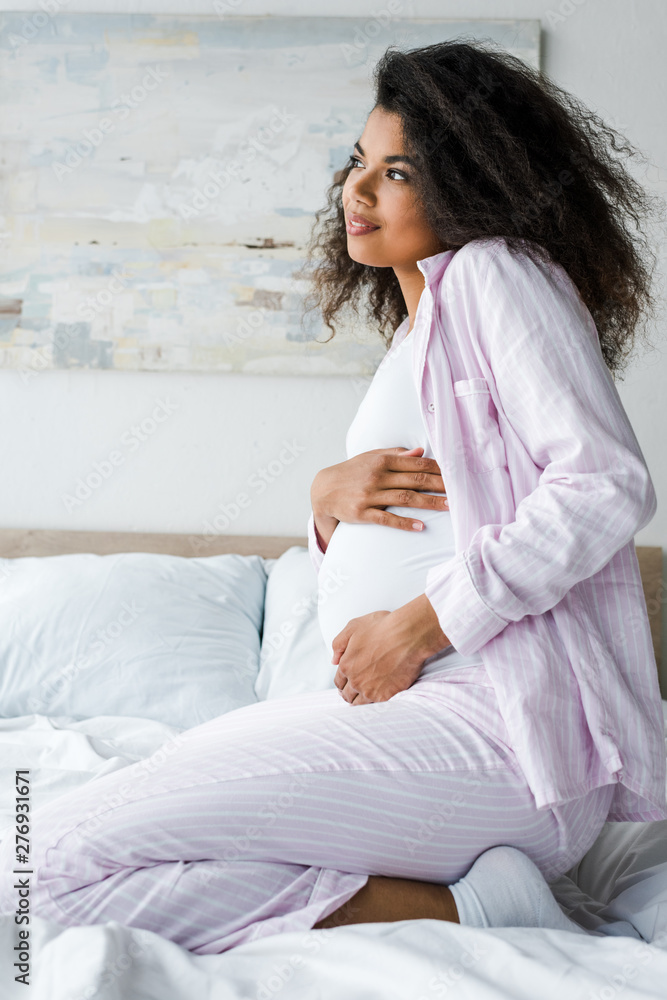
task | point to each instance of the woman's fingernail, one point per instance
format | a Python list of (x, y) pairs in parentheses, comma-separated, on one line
[(417, 525)]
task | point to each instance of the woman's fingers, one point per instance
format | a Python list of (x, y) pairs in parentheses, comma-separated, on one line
[(407, 460), (348, 692), (414, 498), (358, 490), (389, 520), (413, 472)]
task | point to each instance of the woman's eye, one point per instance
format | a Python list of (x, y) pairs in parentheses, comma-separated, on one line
[(392, 170)]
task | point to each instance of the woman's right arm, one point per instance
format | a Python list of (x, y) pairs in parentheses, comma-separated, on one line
[(323, 534), (314, 546), (320, 529)]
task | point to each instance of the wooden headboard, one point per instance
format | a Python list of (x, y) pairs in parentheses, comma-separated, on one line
[(16, 542), (21, 542)]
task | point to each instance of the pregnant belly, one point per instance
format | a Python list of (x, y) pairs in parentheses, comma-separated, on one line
[(372, 567)]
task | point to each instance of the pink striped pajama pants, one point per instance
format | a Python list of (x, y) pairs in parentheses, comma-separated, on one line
[(268, 818)]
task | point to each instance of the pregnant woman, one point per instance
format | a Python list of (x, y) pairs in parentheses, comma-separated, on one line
[(496, 697)]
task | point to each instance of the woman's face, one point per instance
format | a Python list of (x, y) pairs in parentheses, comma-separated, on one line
[(384, 194)]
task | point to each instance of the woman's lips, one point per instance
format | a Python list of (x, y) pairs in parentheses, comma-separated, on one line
[(357, 230)]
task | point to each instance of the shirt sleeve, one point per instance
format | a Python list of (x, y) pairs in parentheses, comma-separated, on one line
[(314, 547), (594, 492)]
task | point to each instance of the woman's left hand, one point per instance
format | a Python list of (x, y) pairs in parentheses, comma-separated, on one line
[(376, 657)]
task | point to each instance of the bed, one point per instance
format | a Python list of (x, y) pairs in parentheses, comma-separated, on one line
[(201, 625)]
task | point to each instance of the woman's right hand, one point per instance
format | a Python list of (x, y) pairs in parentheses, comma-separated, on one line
[(357, 491)]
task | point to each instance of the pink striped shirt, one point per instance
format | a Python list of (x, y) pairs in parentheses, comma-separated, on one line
[(547, 486)]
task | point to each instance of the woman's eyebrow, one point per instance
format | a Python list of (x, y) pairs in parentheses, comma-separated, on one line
[(389, 159)]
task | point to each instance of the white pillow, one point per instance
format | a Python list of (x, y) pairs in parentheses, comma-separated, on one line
[(293, 657), (160, 637)]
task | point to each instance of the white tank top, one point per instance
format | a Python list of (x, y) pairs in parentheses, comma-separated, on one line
[(386, 567)]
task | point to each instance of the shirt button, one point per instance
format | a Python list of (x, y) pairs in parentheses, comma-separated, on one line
[(431, 407)]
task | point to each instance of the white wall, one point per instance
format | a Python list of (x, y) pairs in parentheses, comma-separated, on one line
[(225, 428)]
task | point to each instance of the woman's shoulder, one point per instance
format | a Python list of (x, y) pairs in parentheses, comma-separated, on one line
[(492, 257), (467, 269), (480, 252)]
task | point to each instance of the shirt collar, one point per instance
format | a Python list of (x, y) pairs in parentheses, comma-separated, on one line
[(433, 267)]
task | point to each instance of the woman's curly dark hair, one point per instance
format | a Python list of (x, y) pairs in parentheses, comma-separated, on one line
[(501, 150)]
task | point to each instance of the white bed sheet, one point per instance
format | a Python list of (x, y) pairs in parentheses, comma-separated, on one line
[(406, 960)]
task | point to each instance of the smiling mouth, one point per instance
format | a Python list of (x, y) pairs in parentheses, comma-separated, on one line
[(357, 229)]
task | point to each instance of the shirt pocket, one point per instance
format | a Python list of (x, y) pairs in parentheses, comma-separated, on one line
[(483, 446)]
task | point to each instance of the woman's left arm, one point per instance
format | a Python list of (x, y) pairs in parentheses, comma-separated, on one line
[(384, 651), (594, 492)]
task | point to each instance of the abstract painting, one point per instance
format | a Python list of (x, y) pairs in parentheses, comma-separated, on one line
[(160, 177)]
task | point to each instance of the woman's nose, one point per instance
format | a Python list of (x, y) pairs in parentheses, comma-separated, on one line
[(361, 196)]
